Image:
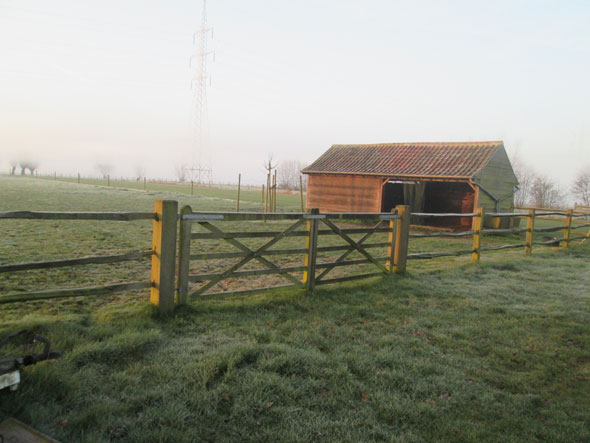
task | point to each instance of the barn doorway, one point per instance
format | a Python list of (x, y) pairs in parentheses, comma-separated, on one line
[(431, 197), (393, 195), (449, 197), (398, 192)]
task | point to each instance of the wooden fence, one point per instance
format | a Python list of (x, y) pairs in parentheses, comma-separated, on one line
[(80, 261), (311, 224), (169, 287)]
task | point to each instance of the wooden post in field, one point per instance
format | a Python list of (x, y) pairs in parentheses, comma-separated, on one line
[(184, 251), (477, 225), (301, 192), (274, 200), (568, 228), (530, 225), (401, 239), (263, 195), (391, 242), (267, 195), (144, 184), (271, 194), (238, 201), (78, 178), (55, 175), (164, 255), (192, 187), (108, 180), (311, 247)]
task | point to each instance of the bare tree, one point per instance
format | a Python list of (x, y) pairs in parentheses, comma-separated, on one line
[(139, 172), (545, 194), (581, 186), (288, 174), (29, 165), (269, 164), (105, 169), (526, 177), (182, 172), (13, 166)]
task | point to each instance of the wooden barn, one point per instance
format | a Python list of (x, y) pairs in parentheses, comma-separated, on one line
[(453, 177)]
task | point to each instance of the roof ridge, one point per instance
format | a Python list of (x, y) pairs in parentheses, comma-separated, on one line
[(374, 145)]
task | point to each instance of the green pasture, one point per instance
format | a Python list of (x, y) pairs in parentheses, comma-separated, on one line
[(252, 197), (452, 351)]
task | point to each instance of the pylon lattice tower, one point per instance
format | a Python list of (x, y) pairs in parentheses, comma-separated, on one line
[(201, 161)]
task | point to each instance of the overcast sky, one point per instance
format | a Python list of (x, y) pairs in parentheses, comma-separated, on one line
[(83, 82)]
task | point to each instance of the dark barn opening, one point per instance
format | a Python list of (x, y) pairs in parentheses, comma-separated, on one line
[(434, 197), (393, 195), (444, 197)]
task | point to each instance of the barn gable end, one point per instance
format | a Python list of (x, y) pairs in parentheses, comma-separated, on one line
[(497, 181)]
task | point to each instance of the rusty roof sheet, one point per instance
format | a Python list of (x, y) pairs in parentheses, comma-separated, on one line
[(454, 159)]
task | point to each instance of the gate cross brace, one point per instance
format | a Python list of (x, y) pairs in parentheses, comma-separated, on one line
[(350, 250), (355, 245), (252, 254)]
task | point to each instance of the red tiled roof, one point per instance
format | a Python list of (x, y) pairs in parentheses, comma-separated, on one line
[(455, 159)]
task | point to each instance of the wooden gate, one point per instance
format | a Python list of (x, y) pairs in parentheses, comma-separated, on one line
[(300, 230)]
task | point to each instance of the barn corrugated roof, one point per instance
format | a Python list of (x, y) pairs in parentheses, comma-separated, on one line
[(453, 160)]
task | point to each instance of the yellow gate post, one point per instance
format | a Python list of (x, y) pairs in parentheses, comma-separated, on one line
[(164, 255), (391, 242), (477, 225), (530, 225), (568, 228), (401, 239)]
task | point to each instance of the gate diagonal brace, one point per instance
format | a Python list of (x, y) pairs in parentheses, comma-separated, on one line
[(252, 254), (355, 245), (349, 250)]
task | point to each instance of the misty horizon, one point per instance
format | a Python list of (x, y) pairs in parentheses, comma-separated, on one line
[(88, 84)]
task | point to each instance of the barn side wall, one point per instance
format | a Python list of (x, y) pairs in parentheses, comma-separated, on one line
[(343, 193), (498, 178)]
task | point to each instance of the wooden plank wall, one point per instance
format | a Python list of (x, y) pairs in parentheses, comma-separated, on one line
[(344, 193)]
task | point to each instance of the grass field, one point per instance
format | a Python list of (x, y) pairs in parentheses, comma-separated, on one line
[(498, 351)]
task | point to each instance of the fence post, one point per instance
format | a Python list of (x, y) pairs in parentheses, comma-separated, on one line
[(274, 199), (391, 242), (192, 187), (78, 178), (238, 202), (144, 183), (311, 244), (184, 251), (568, 228), (164, 255), (301, 192), (108, 180), (402, 230), (530, 225), (477, 225)]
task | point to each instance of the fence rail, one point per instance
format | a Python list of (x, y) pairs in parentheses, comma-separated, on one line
[(78, 261), (170, 286), (43, 215)]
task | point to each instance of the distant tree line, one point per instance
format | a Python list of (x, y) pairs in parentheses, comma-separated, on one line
[(540, 191), (24, 165)]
